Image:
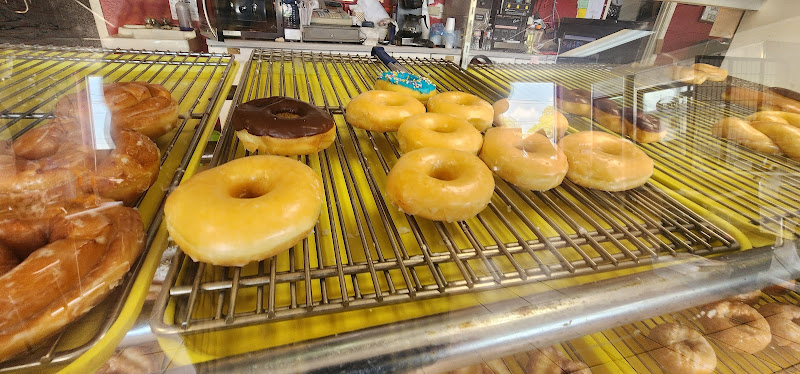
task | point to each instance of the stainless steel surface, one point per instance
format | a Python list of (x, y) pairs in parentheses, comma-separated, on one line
[(384, 257), (43, 66), (466, 39), (450, 340)]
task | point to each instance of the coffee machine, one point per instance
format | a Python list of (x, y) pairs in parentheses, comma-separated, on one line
[(412, 22), (256, 19)]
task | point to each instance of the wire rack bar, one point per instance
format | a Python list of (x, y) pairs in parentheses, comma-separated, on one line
[(38, 76), (365, 253)]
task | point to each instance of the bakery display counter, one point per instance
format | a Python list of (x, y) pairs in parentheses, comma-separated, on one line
[(32, 80), (374, 286)]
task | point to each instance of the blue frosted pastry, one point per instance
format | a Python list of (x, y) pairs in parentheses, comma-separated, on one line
[(420, 88)]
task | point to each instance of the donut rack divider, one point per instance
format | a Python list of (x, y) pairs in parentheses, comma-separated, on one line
[(758, 192), (380, 256), (199, 82)]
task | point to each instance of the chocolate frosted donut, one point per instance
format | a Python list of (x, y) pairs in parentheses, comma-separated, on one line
[(574, 101), (282, 126), (644, 128)]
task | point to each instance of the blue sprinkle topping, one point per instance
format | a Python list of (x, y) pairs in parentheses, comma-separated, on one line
[(414, 82)]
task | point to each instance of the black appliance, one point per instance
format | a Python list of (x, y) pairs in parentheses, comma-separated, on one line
[(510, 22), (253, 19)]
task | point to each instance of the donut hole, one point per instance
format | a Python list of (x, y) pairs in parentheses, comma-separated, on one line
[(611, 148), (394, 101), (249, 190), (444, 128), (444, 172)]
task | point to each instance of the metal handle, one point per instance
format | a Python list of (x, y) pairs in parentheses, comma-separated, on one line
[(387, 60)]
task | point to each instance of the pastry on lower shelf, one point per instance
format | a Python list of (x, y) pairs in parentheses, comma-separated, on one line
[(252, 208), (782, 320), (605, 162), (762, 131), (551, 361), (144, 107), (420, 88), (775, 98), (281, 125), (574, 101), (496, 366), (735, 325), (683, 350), (644, 128), (740, 132)]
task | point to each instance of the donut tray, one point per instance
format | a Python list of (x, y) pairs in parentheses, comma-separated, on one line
[(32, 78), (758, 193), (364, 253)]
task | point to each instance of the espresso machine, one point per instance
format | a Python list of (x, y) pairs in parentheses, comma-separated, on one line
[(254, 19)]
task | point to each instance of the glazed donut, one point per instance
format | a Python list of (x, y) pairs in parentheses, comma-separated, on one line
[(440, 184), (381, 111), (741, 132), (147, 108), (750, 298), (784, 135), (51, 163), (736, 325), (85, 256), (645, 128), (713, 73), (512, 113), (577, 101), (769, 100), (475, 110), (418, 87), (496, 366), (605, 162), (782, 323), (551, 360), (280, 125), (253, 208), (775, 116), (608, 113), (438, 131), (527, 161), (683, 350), (688, 74)]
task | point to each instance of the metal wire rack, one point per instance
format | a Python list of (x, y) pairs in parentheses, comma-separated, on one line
[(33, 78), (759, 189), (365, 253)]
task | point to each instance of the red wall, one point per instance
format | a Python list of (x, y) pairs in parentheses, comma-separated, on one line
[(685, 29), (134, 12), (564, 8)]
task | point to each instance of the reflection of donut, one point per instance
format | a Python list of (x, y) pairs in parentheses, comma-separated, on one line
[(79, 259), (475, 110), (52, 163), (440, 184), (750, 298), (782, 323), (784, 135), (740, 132), (147, 108), (775, 116), (438, 131), (528, 161), (769, 100), (605, 162), (577, 101), (418, 87), (253, 208), (281, 125), (551, 360), (381, 111), (737, 325), (549, 122), (683, 350)]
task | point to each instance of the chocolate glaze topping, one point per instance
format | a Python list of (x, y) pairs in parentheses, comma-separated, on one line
[(644, 121), (608, 106), (281, 117), (575, 96), (785, 92)]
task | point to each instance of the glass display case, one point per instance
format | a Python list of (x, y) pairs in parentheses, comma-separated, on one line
[(634, 218)]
